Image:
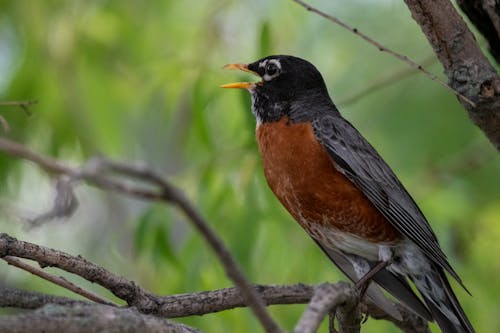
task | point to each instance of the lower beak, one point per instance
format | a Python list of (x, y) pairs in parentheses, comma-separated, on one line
[(241, 85)]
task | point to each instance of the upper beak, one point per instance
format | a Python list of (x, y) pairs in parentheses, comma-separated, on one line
[(243, 85)]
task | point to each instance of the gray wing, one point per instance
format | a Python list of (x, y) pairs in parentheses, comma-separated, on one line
[(363, 166)]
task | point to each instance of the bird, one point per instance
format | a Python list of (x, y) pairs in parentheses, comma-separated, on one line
[(344, 195)]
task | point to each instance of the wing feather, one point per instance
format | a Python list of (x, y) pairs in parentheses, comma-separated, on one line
[(362, 165)]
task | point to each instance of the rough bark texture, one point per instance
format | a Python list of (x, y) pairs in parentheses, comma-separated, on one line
[(340, 298), (11, 297), (468, 70), (88, 319), (485, 15)]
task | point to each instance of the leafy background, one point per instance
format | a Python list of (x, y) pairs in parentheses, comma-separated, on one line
[(138, 81)]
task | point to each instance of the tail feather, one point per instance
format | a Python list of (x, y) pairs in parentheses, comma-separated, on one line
[(400, 289), (442, 302), (395, 285)]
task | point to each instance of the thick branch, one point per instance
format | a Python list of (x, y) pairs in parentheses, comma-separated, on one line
[(166, 306), (16, 298), (88, 319), (330, 297), (121, 287), (468, 70), (201, 303)]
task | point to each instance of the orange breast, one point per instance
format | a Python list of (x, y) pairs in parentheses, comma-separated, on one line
[(303, 177)]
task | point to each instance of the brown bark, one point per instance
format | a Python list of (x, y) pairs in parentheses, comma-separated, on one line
[(88, 319), (467, 68)]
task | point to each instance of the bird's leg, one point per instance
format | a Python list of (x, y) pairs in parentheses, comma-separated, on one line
[(364, 282)]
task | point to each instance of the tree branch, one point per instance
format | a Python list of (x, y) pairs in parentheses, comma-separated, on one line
[(59, 280), (165, 306), (16, 298), (88, 319), (382, 48), (331, 297), (467, 68), (471, 77)]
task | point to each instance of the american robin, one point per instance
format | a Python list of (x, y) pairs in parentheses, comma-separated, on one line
[(339, 189)]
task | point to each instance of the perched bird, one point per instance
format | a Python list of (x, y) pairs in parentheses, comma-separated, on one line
[(339, 189)]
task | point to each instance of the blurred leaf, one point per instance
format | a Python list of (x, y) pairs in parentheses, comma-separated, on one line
[(152, 236), (265, 40), (199, 103), (163, 249)]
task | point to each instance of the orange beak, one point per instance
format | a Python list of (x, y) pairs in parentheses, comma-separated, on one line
[(241, 85)]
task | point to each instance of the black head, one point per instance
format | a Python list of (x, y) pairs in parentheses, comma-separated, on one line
[(290, 86)]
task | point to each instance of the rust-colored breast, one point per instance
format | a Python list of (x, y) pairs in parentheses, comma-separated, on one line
[(303, 177)]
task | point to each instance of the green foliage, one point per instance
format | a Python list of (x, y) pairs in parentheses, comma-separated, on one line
[(152, 235), (139, 81)]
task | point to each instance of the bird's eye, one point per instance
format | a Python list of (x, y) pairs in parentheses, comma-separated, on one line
[(271, 69)]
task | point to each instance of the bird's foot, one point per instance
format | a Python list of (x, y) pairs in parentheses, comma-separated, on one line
[(364, 282)]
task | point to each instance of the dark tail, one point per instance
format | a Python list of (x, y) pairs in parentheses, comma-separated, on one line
[(442, 302)]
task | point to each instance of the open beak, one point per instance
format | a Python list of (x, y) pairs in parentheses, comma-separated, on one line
[(241, 85)]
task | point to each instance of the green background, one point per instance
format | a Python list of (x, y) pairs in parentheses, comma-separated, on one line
[(138, 81)]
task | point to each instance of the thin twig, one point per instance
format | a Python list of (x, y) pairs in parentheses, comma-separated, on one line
[(382, 48), (59, 280), (24, 105), (384, 81), (5, 124), (50, 165)]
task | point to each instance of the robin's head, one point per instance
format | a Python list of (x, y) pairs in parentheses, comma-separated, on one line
[(287, 83)]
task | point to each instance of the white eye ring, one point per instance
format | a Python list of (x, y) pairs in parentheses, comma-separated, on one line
[(272, 69)]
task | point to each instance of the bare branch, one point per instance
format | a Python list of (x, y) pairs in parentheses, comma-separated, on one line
[(328, 297), (59, 280), (195, 304), (88, 319), (472, 78), (120, 287), (467, 68), (23, 299), (166, 306), (24, 105), (48, 164), (5, 124), (382, 48)]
